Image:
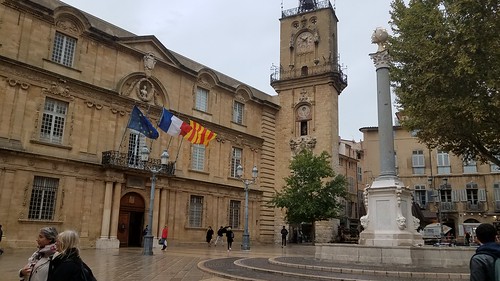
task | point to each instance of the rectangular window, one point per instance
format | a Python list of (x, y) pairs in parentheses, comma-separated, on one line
[(195, 211), (472, 194), (496, 194), (421, 195), (443, 163), (198, 157), (235, 160), (360, 174), (64, 49), (234, 213), (470, 167), (418, 162), (136, 140), (201, 102), (53, 120), (238, 109), (43, 198)]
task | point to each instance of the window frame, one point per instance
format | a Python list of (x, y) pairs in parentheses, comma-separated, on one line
[(235, 160), (201, 100), (43, 185), (234, 214), (195, 211), (62, 50), (470, 167), (198, 153), (47, 131), (418, 162), (443, 163), (238, 112)]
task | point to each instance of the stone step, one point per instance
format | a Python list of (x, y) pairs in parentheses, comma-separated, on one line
[(297, 268)]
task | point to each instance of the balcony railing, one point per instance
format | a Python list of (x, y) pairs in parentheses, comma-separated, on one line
[(316, 6), (448, 207), (477, 207), (124, 161)]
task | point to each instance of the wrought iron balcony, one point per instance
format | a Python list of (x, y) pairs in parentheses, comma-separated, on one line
[(477, 207), (312, 6), (447, 207), (125, 161)]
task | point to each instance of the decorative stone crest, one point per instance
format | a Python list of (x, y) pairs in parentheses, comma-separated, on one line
[(149, 64), (301, 143), (59, 89)]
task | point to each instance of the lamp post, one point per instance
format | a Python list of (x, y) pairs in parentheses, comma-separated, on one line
[(440, 214), (148, 238), (239, 173)]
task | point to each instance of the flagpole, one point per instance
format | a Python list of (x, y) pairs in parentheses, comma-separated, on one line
[(125, 131), (178, 150)]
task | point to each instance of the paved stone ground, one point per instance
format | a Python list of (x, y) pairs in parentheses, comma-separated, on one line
[(182, 263), (177, 263)]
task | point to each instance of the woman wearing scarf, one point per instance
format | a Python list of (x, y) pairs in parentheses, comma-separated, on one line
[(38, 264), (66, 265)]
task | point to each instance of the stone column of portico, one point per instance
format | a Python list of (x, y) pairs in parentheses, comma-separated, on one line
[(389, 220), (106, 216), (115, 213)]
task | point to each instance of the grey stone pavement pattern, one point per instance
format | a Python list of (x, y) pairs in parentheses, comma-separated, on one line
[(182, 262)]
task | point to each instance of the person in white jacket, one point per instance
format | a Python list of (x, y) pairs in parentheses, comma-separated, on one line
[(37, 267)]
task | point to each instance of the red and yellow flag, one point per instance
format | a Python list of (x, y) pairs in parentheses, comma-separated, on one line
[(199, 134)]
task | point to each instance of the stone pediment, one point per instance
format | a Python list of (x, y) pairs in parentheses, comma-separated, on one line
[(150, 44)]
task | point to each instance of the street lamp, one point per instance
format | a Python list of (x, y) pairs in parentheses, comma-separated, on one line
[(246, 182), (440, 214), (148, 238)]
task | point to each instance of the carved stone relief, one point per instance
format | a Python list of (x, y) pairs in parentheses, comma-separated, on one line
[(59, 88), (149, 64), (301, 143)]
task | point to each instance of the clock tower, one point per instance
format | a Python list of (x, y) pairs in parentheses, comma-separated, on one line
[(308, 82)]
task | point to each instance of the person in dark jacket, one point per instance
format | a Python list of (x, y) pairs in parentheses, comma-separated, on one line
[(66, 265), (482, 264), (230, 238), (284, 233), (210, 234)]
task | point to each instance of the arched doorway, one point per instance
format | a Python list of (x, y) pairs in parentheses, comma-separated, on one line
[(131, 220)]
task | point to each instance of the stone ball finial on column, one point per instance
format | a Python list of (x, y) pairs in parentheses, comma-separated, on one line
[(380, 37)]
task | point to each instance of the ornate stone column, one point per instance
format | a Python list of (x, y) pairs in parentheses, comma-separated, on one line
[(389, 220)]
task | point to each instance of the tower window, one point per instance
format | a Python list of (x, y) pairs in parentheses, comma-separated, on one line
[(303, 128)]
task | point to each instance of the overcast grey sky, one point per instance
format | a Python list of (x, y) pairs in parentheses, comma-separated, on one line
[(240, 38)]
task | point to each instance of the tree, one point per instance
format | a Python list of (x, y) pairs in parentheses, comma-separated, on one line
[(312, 191), (446, 74)]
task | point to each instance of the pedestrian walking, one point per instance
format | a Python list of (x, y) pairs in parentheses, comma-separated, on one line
[(230, 238), (37, 268), (284, 233), (467, 239), (482, 263), (1, 234), (164, 236), (210, 234), (67, 265), (220, 236)]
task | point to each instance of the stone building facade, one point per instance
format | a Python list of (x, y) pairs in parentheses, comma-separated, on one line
[(68, 83), (447, 189)]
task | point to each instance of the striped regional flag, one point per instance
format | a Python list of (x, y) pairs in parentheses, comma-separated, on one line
[(199, 134)]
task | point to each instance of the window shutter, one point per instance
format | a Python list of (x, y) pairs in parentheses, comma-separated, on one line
[(436, 195), (463, 195), (456, 195), (481, 194)]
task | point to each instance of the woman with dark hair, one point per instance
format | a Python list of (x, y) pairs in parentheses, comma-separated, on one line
[(66, 265), (37, 267)]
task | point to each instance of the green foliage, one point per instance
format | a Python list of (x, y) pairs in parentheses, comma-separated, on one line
[(446, 73), (312, 191)]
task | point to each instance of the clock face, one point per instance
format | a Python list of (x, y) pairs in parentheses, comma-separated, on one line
[(304, 112), (305, 42)]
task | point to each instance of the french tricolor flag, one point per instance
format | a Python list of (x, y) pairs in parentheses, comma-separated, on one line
[(172, 125)]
